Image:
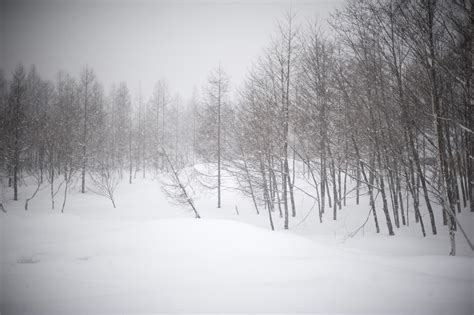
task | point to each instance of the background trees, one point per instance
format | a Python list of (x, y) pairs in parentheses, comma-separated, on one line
[(382, 100)]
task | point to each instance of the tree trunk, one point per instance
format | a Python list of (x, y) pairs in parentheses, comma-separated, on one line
[(265, 193), (219, 145), (368, 183), (249, 180), (84, 141), (423, 181), (290, 186), (436, 108)]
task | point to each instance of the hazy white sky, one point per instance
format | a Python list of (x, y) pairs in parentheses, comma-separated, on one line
[(144, 41)]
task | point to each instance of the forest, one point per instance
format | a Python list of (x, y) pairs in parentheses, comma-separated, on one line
[(380, 105)]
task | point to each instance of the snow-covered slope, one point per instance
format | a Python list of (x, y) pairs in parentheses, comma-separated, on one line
[(150, 256)]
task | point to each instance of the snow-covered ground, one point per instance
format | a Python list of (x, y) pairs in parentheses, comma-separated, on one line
[(149, 255)]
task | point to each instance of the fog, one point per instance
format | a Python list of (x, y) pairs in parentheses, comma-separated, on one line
[(142, 42)]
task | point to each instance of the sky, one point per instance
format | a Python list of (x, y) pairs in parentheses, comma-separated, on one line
[(141, 42)]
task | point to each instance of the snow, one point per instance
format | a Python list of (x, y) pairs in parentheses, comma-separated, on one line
[(149, 255)]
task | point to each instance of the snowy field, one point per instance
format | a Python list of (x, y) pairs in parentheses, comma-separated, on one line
[(150, 255)]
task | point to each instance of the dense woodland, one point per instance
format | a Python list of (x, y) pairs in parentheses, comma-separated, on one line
[(383, 99)]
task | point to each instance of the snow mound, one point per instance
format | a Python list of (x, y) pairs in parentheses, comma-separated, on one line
[(57, 264), (216, 237)]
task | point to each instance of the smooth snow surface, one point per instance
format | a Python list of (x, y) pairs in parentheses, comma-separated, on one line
[(151, 256)]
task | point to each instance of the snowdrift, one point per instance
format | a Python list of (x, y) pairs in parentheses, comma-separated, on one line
[(76, 265)]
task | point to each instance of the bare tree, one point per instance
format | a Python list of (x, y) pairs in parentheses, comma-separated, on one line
[(105, 179), (212, 123), (87, 79), (177, 189), (16, 125)]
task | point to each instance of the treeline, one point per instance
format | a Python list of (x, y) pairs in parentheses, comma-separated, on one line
[(70, 130), (386, 100), (383, 99)]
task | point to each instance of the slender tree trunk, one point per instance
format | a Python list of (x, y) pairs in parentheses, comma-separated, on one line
[(15, 177), (16, 153), (462, 181), (407, 203), (249, 180), (436, 108), (334, 183), (392, 191), (345, 181), (398, 193), (328, 192), (380, 178), (130, 156), (275, 189), (384, 198), (469, 111), (369, 185), (67, 179), (284, 192), (52, 188), (265, 193), (453, 175), (38, 186), (180, 185), (357, 184), (412, 188), (339, 192), (219, 145), (290, 187), (84, 140), (323, 181)]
